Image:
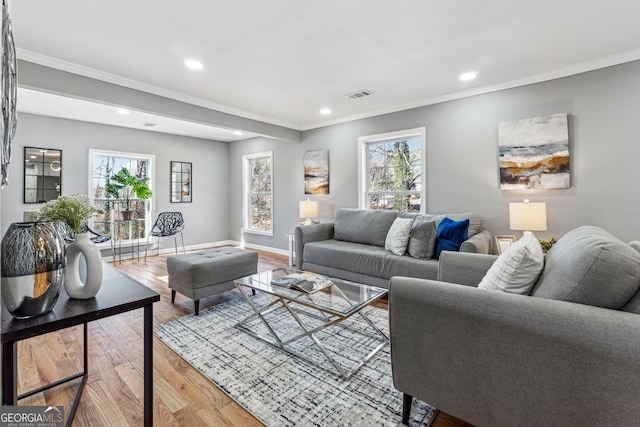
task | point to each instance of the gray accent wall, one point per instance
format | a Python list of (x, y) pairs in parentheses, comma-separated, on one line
[(206, 218), (462, 157)]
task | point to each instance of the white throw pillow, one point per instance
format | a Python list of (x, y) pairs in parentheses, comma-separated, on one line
[(398, 236), (517, 269)]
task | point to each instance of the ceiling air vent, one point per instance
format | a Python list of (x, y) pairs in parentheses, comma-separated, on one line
[(359, 94), (149, 124)]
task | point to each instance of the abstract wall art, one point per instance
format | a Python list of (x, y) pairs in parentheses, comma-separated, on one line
[(534, 153), (316, 172)]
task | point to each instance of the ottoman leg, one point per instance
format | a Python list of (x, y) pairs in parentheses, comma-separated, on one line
[(196, 304), (173, 296)]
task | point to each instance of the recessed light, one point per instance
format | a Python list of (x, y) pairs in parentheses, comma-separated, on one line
[(123, 111), (470, 75), (32, 157), (193, 64), (325, 111), (237, 133)]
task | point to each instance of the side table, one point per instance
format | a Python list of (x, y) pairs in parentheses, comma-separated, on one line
[(119, 293)]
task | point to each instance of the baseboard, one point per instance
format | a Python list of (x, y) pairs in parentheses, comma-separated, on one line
[(170, 250), (266, 249)]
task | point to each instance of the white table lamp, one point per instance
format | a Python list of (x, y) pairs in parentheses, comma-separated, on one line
[(528, 216), (308, 210)]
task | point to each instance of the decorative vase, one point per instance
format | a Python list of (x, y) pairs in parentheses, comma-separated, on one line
[(74, 285), (33, 268)]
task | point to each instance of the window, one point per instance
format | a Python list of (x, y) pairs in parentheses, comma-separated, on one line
[(391, 171), (258, 193), (114, 218)]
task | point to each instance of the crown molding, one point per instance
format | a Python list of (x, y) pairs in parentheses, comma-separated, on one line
[(583, 67), (81, 70)]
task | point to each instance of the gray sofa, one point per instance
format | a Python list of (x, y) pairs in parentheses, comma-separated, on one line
[(352, 247), (500, 359)]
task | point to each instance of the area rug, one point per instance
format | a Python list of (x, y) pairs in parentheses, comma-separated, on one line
[(282, 390)]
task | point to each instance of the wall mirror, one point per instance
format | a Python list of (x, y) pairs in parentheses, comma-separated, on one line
[(42, 174)]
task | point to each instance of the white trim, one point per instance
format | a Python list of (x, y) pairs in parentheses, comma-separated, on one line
[(571, 70), (259, 232), (245, 192), (93, 73), (583, 67), (172, 250), (363, 167), (267, 249)]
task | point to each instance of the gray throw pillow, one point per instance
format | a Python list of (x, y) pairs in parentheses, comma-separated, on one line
[(590, 266), (422, 242)]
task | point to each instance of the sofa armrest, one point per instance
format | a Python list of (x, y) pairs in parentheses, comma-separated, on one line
[(463, 268), (501, 359), (311, 233), (479, 243)]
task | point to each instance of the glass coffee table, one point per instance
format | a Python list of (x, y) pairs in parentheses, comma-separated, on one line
[(319, 316)]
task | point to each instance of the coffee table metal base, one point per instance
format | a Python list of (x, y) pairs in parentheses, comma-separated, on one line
[(327, 319)]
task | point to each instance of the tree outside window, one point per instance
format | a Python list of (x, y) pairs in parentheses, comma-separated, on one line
[(258, 197), (392, 172)]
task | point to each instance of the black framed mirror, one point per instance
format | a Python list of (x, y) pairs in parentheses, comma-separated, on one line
[(42, 174)]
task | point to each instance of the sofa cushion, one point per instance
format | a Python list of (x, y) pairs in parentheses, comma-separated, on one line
[(363, 226), (367, 259), (398, 236), (633, 306), (475, 221), (517, 269), (422, 242), (450, 234), (590, 266)]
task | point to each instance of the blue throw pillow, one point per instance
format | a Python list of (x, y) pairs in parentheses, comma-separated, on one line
[(450, 235)]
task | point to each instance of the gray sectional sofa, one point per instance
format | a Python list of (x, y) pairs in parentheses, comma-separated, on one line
[(353, 246), (568, 355)]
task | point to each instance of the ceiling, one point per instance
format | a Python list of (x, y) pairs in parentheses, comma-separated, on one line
[(281, 61)]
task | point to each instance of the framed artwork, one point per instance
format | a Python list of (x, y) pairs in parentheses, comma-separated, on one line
[(316, 172), (534, 153), (181, 190), (503, 242)]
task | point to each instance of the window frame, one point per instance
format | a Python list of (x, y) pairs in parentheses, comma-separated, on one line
[(151, 158), (363, 162), (246, 193)]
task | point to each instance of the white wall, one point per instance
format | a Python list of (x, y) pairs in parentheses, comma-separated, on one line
[(206, 218), (462, 157)]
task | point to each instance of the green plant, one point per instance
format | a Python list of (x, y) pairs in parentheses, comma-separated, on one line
[(125, 186), (72, 209), (546, 244)]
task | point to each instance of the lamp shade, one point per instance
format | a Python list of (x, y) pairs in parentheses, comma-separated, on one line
[(528, 216), (308, 209)]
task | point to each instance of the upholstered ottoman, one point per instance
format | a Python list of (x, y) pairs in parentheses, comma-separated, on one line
[(205, 273)]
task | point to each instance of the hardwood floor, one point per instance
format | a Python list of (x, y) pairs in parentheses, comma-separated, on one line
[(114, 392)]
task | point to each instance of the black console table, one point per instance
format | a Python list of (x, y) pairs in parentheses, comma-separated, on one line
[(119, 293)]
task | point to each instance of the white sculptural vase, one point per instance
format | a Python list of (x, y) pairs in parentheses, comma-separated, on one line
[(73, 283)]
